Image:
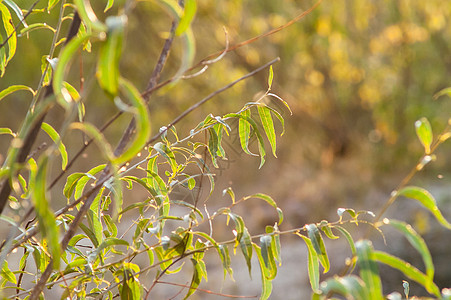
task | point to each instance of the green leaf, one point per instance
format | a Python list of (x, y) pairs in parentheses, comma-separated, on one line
[(268, 126), (131, 288), (143, 126), (351, 287), (246, 249), (17, 11), (198, 273), (46, 217), (187, 17), (244, 130), (7, 274), (266, 283), (88, 16), (408, 270), (51, 4), (98, 137), (424, 133), (270, 201), (110, 55), (425, 198), (313, 263), (261, 144), (107, 243), (53, 134), (270, 77), (12, 41), (93, 216), (445, 91), (36, 26), (69, 51), (223, 251), (13, 88), (213, 146), (108, 5), (326, 228), (268, 256), (71, 184), (369, 271), (348, 237), (417, 242), (318, 244), (7, 131), (239, 226)]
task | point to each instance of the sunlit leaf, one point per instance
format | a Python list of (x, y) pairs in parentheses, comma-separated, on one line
[(13, 88), (408, 270), (36, 26), (187, 17), (244, 130), (416, 241), (246, 249), (266, 283), (88, 16), (110, 55), (98, 137), (69, 51), (350, 240), (108, 5), (46, 217), (268, 256), (53, 134), (7, 274), (424, 133), (270, 201), (313, 263), (318, 244), (12, 41), (427, 200), (108, 242), (351, 287), (270, 77), (17, 11), (268, 126), (143, 127), (7, 131), (51, 4), (369, 271)]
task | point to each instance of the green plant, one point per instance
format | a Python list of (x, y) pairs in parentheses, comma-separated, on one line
[(81, 248)]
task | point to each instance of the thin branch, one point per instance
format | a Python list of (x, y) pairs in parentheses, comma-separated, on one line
[(203, 101)]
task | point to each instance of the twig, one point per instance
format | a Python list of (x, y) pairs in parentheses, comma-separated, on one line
[(203, 101)]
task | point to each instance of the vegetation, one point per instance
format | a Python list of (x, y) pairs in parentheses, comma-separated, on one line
[(97, 229)]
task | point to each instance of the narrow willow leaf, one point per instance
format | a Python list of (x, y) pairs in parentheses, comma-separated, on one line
[(445, 91), (131, 288), (196, 279), (266, 283), (71, 184), (239, 225), (271, 202), (348, 237), (369, 271), (89, 17), (7, 131), (270, 77), (268, 126), (268, 256), (13, 88), (424, 133), (36, 26), (213, 147), (69, 51), (17, 11), (108, 5), (110, 55), (352, 287), (326, 228), (107, 243), (143, 127), (53, 134), (417, 242), (281, 100), (46, 217), (318, 244), (51, 4), (226, 262), (244, 130), (261, 144), (313, 264), (7, 274), (93, 216), (408, 270), (187, 17), (246, 249), (72, 92), (167, 153), (81, 183), (112, 228), (12, 42), (428, 201)]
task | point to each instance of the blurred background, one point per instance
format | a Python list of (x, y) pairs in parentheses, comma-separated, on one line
[(357, 74)]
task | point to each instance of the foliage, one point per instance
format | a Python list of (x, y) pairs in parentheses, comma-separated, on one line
[(84, 247)]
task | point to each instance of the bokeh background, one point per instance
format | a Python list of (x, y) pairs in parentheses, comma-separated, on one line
[(357, 74)]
